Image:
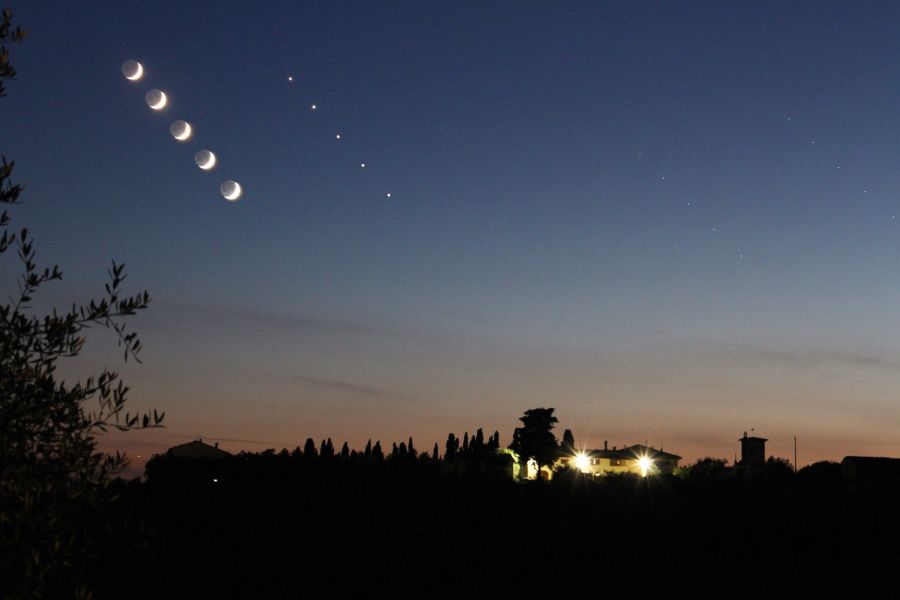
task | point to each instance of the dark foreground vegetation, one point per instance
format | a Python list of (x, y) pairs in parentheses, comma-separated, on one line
[(279, 526)]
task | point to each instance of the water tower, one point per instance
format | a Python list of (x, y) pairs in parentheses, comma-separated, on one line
[(753, 451)]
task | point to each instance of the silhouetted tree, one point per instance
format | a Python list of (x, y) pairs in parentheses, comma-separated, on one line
[(568, 442), (409, 447), (465, 446), (478, 441), (377, 453), (345, 451), (535, 438), (708, 468), (434, 453), (825, 477), (451, 448), (51, 473), (368, 450), (778, 469), (309, 449)]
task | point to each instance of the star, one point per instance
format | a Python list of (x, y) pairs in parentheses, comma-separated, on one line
[(290, 77), (337, 137), (313, 107), (362, 165), (388, 194)]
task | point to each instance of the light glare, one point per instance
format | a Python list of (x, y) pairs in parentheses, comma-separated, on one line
[(645, 464), (582, 462)]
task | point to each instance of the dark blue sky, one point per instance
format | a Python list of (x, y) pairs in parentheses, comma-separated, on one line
[(671, 221)]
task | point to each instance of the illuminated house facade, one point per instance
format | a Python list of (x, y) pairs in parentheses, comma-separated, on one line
[(638, 459)]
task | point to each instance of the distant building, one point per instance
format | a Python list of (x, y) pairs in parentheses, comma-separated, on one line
[(187, 464), (197, 449), (638, 459), (753, 451), (870, 470)]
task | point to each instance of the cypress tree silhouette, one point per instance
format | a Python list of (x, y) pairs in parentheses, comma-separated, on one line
[(309, 450), (452, 448), (568, 442), (326, 450), (368, 451), (465, 447), (377, 453), (345, 451), (479, 440), (434, 453), (409, 446)]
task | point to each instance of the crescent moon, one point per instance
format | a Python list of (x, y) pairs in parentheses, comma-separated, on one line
[(205, 159), (137, 67), (180, 130), (231, 190), (156, 99)]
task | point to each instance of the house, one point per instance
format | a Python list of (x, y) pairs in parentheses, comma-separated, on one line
[(868, 471), (639, 459), (197, 449), (187, 464)]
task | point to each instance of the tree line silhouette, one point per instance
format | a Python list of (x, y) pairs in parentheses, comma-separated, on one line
[(273, 523), (452, 449)]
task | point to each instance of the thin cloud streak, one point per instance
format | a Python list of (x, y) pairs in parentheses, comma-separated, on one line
[(804, 360), (353, 388), (219, 315)]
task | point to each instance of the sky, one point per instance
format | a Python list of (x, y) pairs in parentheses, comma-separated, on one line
[(673, 222)]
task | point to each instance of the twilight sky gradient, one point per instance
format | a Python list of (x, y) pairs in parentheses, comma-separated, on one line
[(671, 221)]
